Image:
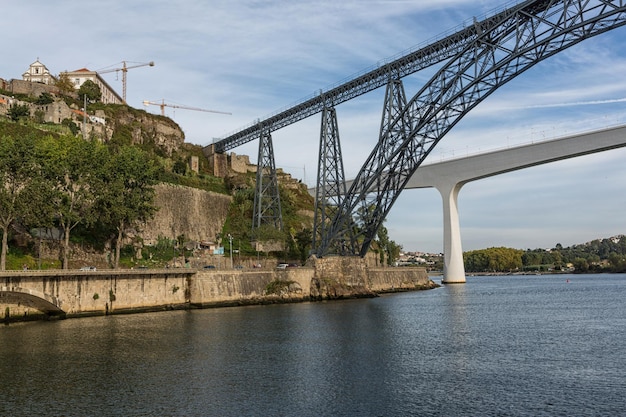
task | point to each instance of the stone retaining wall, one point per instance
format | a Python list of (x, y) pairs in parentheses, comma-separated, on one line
[(110, 292)]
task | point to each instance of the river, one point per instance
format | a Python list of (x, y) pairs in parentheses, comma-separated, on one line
[(551, 345)]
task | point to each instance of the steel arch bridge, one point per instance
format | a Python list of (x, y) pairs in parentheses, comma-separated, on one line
[(477, 60)]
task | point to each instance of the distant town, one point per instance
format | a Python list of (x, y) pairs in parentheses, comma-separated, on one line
[(428, 260)]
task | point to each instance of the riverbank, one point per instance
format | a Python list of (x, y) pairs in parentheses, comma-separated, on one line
[(36, 295)]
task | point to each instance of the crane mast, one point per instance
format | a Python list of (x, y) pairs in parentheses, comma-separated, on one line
[(124, 70), (163, 105)]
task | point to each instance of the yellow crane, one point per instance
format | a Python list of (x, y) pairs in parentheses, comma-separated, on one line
[(163, 105), (124, 70)]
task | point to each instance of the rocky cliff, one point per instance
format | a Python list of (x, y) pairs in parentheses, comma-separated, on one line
[(142, 128)]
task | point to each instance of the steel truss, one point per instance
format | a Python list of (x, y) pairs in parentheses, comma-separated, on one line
[(331, 185), (422, 57), (267, 210), (503, 48)]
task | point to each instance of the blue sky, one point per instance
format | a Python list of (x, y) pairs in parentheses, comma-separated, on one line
[(252, 58)]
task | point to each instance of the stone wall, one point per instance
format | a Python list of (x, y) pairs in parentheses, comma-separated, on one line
[(102, 292), (241, 163), (228, 287), (339, 277), (31, 89), (386, 280), (197, 214), (108, 292)]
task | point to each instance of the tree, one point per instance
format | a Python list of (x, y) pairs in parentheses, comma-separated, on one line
[(74, 171), (64, 84), (388, 248), (617, 262), (19, 177), (180, 167), (580, 265), (493, 259), (91, 90), (18, 111), (44, 98), (71, 125), (303, 240), (127, 197)]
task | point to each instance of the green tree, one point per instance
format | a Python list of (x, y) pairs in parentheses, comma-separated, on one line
[(64, 84), (19, 175), (387, 247), (617, 262), (44, 98), (127, 198), (580, 265), (39, 116), (303, 240), (180, 167), (71, 125), (493, 260), (91, 90), (18, 111), (73, 169)]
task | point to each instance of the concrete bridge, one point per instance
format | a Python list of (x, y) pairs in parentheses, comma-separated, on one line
[(449, 177)]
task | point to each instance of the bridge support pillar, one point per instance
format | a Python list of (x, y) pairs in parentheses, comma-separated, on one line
[(453, 266)]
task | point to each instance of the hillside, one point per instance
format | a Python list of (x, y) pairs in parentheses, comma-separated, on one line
[(194, 206), (599, 255)]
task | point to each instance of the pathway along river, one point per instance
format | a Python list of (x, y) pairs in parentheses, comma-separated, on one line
[(496, 346)]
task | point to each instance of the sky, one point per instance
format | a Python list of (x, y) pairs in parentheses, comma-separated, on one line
[(252, 58)]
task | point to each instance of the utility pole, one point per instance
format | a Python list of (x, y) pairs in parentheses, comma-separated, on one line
[(85, 118), (230, 240)]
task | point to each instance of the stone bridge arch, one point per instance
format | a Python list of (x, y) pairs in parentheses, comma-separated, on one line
[(45, 303)]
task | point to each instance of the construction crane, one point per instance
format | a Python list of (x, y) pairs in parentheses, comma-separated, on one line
[(124, 70), (163, 105)]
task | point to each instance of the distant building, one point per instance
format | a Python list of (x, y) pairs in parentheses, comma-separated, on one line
[(38, 73), (78, 77)]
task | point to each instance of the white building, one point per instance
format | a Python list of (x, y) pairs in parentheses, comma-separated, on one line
[(38, 73), (78, 77)]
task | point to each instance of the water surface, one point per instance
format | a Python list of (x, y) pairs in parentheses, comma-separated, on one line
[(496, 346)]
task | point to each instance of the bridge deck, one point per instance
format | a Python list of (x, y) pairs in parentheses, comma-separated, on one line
[(471, 168)]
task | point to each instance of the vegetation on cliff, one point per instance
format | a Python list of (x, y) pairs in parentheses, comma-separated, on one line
[(295, 238)]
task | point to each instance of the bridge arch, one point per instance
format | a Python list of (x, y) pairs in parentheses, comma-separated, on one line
[(45, 303)]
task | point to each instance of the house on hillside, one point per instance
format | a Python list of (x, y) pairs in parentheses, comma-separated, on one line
[(78, 77)]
